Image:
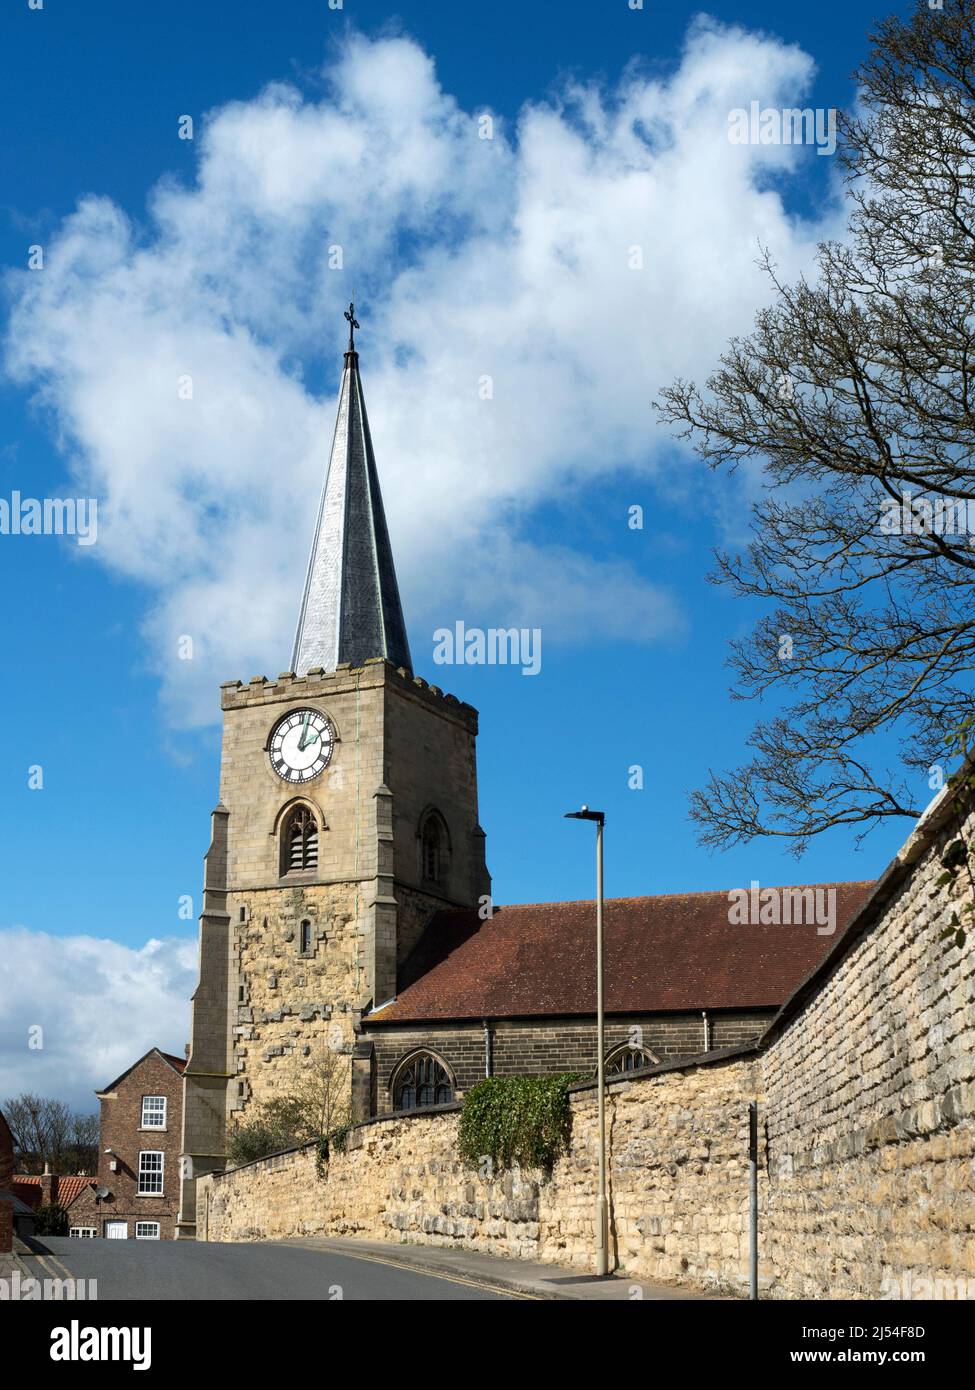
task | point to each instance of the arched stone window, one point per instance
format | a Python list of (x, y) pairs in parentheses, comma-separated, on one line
[(299, 841), (628, 1058), (434, 848), (421, 1080)]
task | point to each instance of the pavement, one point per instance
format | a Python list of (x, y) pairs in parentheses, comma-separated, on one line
[(523, 1277), (313, 1269)]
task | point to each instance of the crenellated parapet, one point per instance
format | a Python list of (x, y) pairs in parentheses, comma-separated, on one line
[(320, 684)]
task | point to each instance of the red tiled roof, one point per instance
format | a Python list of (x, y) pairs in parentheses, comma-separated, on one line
[(178, 1062), (672, 953), (64, 1189), (27, 1188), (72, 1187)]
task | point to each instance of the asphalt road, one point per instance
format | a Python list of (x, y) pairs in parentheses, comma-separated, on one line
[(188, 1270)]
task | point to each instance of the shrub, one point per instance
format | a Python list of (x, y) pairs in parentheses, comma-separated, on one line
[(258, 1138), (51, 1220)]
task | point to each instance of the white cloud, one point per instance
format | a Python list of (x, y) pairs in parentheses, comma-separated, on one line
[(100, 1006), (505, 258)]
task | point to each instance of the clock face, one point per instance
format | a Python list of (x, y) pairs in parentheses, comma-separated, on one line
[(301, 745)]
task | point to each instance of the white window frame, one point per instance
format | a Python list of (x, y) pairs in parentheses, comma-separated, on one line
[(82, 1232), (140, 1225), (147, 1171), (154, 1118)]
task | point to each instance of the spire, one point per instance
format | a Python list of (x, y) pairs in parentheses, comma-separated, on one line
[(350, 609)]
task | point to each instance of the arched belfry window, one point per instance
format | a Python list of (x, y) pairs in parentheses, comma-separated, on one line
[(422, 1081), (434, 849), (627, 1058), (299, 841)]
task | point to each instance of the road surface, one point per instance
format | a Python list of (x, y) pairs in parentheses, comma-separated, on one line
[(188, 1270)]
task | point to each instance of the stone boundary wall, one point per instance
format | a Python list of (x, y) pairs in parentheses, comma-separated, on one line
[(678, 1184), (866, 1087)]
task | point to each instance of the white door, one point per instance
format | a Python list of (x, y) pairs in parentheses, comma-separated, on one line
[(116, 1230)]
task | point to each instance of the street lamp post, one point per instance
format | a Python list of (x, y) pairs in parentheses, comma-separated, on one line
[(602, 1205)]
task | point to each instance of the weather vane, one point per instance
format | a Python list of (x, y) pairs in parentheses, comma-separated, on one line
[(353, 324)]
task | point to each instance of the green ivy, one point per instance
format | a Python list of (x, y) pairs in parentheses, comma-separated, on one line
[(337, 1138), (509, 1121), (321, 1158)]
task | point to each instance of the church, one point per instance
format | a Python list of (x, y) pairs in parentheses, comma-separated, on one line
[(348, 910)]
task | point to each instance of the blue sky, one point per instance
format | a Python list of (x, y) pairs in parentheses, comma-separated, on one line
[(465, 261)]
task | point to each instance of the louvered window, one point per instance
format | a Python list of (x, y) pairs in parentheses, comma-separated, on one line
[(301, 841), (431, 851)]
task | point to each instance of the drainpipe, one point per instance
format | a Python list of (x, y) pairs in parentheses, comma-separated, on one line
[(707, 1040), (488, 1059)]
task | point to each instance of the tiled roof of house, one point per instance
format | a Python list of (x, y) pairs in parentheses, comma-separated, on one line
[(64, 1188), (71, 1187), (677, 952), (27, 1188), (177, 1063)]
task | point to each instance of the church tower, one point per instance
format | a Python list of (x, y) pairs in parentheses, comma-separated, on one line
[(347, 818)]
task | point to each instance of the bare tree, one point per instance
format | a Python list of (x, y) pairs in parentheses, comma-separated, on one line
[(314, 1102), (82, 1154), (48, 1132), (855, 394), (316, 1098)]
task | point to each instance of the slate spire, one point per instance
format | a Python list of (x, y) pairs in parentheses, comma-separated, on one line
[(350, 609)]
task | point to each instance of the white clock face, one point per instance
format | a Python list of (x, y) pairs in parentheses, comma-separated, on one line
[(301, 745)]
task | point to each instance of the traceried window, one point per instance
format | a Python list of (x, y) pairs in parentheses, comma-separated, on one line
[(300, 841), (150, 1173), (153, 1112), (422, 1082), (627, 1059), (434, 849)]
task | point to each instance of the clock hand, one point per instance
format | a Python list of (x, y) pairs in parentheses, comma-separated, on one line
[(304, 733)]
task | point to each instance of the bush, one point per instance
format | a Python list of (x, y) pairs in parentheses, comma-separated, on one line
[(516, 1121), (51, 1220), (258, 1138)]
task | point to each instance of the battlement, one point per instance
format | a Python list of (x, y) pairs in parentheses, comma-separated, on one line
[(321, 684)]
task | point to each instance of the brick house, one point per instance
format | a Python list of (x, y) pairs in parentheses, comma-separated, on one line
[(138, 1159), (48, 1189), (6, 1187)]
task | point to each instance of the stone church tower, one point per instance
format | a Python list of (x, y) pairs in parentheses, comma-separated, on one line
[(347, 818)]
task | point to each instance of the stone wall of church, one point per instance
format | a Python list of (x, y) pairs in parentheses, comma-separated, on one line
[(544, 1047), (866, 1086), (292, 1005)]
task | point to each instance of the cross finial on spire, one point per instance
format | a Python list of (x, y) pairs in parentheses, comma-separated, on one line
[(353, 324)]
